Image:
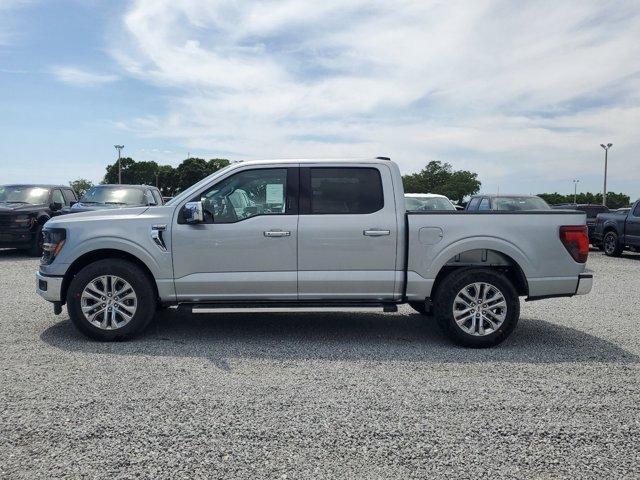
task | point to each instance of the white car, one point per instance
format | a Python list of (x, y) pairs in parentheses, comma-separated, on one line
[(420, 202)]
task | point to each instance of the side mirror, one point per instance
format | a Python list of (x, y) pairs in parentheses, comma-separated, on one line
[(72, 203), (55, 206), (192, 212)]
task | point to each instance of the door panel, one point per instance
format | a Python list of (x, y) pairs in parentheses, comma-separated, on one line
[(345, 255), (252, 253), (632, 228)]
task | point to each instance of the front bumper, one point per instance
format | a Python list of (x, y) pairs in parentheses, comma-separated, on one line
[(12, 238), (585, 282), (49, 288)]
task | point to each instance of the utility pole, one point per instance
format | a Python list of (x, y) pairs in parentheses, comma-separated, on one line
[(604, 190), (575, 191), (119, 148)]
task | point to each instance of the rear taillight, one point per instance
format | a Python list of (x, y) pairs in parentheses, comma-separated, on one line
[(575, 239)]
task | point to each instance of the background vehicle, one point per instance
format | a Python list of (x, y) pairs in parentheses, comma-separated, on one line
[(592, 211), (420, 202), (309, 234), (508, 203), (618, 231), (24, 209), (103, 197)]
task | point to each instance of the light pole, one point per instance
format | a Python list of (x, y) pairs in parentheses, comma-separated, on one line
[(606, 154), (119, 148), (575, 191)]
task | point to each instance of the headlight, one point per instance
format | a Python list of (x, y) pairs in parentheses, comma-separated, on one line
[(54, 239), (23, 220)]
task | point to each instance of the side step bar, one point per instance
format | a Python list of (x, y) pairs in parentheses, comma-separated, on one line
[(287, 307)]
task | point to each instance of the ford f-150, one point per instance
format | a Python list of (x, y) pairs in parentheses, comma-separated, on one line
[(309, 234)]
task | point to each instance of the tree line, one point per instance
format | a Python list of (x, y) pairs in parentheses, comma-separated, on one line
[(436, 177), (169, 180), (614, 200)]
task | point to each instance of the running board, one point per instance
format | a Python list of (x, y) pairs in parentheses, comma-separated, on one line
[(288, 307)]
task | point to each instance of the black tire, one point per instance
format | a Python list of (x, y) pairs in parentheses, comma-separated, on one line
[(420, 307), (139, 282), (35, 249), (611, 245), (453, 284)]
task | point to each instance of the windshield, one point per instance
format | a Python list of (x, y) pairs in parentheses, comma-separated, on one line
[(17, 194), (114, 195), (420, 204), (520, 203)]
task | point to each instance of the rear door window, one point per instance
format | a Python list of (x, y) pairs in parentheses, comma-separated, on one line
[(345, 191), (69, 197), (473, 203), (484, 205)]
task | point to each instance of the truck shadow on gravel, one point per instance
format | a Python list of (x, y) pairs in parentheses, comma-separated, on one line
[(337, 336)]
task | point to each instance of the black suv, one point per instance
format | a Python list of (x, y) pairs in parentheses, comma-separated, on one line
[(24, 209), (102, 197)]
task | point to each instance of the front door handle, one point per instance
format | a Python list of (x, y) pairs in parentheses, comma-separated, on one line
[(277, 233), (376, 233)]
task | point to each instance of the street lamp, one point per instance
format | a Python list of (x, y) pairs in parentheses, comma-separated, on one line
[(606, 152), (575, 191), (119, 148)]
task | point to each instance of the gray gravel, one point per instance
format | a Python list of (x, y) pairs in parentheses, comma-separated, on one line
[(323, 395)]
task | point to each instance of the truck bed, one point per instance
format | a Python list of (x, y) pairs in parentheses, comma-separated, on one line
[(528, 240)]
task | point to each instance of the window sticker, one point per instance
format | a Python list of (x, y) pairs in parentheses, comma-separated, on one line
[(275, 193)]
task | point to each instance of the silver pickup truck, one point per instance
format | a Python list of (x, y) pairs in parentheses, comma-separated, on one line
[(309, 234)]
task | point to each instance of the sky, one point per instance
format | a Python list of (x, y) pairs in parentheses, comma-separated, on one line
[(523, 93)]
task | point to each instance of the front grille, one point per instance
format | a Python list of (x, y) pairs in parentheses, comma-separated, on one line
[(5, 220)]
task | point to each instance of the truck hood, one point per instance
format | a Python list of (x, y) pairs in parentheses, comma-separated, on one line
[(21, 207), (110, 214), (90, 207)]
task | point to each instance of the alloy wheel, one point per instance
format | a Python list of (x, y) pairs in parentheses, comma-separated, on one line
[(479, 309), (108, 302)]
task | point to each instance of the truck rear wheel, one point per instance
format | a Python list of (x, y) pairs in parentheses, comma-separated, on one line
[(611, 243), (477, 307), (111, 299)]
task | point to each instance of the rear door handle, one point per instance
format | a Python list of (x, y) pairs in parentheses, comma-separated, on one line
[(376, 233), (277, 233)]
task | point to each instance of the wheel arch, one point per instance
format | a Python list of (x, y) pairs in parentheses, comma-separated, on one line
[(103, 254), (488, 258)]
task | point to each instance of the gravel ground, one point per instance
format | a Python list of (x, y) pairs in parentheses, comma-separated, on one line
[(340, 395)]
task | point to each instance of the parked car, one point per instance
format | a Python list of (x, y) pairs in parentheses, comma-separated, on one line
[(592, 211), (421, 202), (24, 209), (508, 203), (618, 231), (103, 197), (309, 234)]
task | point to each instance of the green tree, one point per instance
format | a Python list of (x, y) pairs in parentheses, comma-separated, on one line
[(126, 163), (438, 177), (614, 200), (80, 185)]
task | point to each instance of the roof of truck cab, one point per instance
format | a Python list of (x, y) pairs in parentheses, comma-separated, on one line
[(425, 195), (312, 160), (35, 185)]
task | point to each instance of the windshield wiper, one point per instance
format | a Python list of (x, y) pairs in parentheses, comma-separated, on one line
[(87, 202), (13, 201), (114, 203)]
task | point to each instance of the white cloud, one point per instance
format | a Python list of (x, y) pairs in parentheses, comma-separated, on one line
[(496, 86), (80, 77)]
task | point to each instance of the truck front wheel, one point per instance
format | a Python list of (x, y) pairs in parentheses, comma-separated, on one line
[(477, 307), (111, 299)]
